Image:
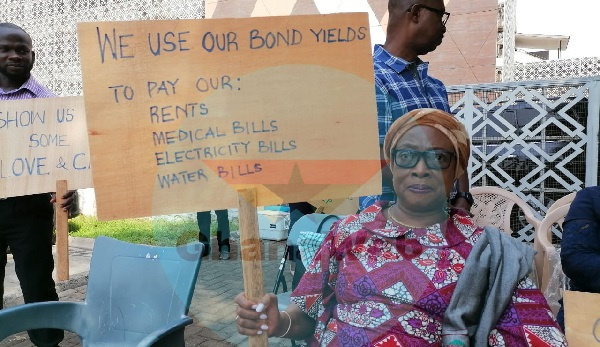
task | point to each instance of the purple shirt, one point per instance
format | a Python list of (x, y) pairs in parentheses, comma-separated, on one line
[(29, 90)]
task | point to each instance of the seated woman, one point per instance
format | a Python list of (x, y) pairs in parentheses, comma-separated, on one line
[(415, 273), (580, 245)]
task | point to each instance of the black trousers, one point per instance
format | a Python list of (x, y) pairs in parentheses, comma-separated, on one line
[(26, 226), (204, 220)]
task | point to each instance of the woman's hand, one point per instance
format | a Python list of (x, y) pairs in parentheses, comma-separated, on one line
[(256, 318)]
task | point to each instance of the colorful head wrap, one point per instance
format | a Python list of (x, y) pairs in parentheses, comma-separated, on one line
[(439, 120)]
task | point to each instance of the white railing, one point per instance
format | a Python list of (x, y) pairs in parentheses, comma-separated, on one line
[(538, 139)]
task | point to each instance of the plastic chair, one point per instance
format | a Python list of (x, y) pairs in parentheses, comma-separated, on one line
[(493, 206), (547, 259), (319, 223), (565, 200), (137, 295)]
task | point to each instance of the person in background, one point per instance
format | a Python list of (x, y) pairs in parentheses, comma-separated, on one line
[(416, 272), (402, 81), (580, 245), (27, 222), (204, 220), (297, 211)]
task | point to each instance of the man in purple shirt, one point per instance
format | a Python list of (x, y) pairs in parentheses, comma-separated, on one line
[(26, 222)]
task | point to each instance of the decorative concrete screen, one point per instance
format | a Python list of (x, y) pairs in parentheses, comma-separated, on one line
[(536, 139), (52, 26), (558, 69)]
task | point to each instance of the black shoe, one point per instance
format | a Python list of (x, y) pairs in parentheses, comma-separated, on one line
[(205, 250), (224, 253)]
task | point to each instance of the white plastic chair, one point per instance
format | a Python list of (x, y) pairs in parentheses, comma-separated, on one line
[(547, 259), (493, 206), (565, 200)]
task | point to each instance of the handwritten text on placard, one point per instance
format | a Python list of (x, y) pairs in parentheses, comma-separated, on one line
[(42, 141), (184, 112)]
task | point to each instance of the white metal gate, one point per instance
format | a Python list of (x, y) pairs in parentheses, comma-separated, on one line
[(538, 139)]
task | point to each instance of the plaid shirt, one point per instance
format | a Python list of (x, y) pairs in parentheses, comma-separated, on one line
[(29, 90), (399, 91)]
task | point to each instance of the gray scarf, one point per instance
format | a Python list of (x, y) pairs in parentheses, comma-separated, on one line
[(485, 287)]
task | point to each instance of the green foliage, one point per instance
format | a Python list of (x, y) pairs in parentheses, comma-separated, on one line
[(150, 231)]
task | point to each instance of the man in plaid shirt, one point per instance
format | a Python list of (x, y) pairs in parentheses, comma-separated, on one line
[(402, 82)]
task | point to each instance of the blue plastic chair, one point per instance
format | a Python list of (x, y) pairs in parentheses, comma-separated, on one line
[(137, 295)]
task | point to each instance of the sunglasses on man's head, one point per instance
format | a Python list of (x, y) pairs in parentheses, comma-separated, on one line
[(435, 159)]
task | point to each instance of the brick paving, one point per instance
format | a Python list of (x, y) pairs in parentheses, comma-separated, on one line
[(212, 308)]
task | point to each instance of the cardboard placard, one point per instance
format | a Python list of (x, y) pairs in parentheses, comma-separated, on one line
[(43, 140), (582, 318), (183, 113)]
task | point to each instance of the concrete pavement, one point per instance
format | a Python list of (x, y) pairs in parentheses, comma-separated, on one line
[(212, 308)]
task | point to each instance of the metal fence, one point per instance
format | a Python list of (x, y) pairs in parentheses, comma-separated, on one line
[(538, 139)]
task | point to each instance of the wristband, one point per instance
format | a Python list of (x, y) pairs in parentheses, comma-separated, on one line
[(289, 325)]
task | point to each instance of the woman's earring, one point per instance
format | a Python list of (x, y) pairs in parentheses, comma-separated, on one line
[(447, 208)]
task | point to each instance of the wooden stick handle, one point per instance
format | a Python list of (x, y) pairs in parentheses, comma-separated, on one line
[(62, 233), (251, 253)]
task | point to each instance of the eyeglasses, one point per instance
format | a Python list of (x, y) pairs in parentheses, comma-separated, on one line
[(436, 159), (443, 14)]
